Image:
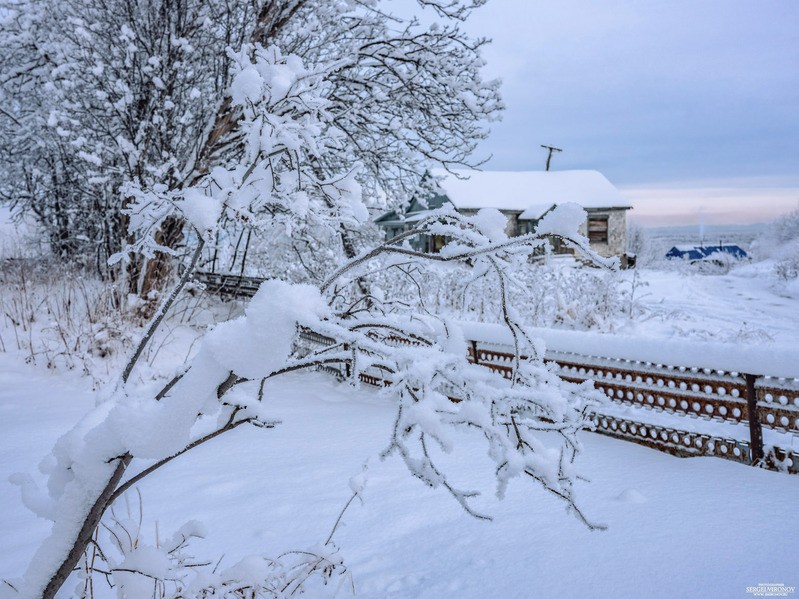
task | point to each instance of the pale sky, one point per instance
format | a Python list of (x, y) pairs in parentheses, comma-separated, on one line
[(690, 107)]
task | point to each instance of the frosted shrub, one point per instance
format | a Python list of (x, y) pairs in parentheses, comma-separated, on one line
[(787, 268), (545, 295), (779, 239), (786, 228), (60, 318), (780, 242), (641, 246), (64, 318), (527, 422), (162, 564)]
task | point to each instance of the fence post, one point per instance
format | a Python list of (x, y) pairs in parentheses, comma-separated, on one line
[(755, 431), (475, 359)]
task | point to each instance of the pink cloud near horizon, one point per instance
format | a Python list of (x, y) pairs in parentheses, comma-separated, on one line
[(666, 205)]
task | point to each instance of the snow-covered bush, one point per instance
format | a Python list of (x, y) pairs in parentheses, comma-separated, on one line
[(780, 243), (787, 268), (65, 318), (61, 318), (641, 247), (545, 294), (163, 565), (528, 422), (779, 238)]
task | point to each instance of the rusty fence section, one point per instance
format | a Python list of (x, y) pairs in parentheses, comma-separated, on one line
[(232, 286), (664, 397), (673, 396)]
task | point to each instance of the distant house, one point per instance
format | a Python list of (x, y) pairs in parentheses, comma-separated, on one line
[(697, 253), (525, 197)]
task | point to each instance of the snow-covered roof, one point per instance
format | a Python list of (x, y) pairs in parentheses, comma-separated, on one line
[(536, 211), (417, 216), (523, 190)]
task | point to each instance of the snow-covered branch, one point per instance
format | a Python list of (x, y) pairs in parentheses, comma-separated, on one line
[(339, 101)]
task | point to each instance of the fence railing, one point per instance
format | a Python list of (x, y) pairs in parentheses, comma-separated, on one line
[(229, 285), (666, 398), (678, 410), (674, 396)]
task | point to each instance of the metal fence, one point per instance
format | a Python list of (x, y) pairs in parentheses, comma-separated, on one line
[(665, 397), (682, 394), (234, 286)]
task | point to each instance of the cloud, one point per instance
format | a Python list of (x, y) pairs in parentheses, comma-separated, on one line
[(734, 201), (662, 90)]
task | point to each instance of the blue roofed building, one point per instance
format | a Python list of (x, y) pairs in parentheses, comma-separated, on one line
[(697, 253)]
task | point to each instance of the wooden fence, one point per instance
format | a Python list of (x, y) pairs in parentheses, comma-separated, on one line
[(665, 398)]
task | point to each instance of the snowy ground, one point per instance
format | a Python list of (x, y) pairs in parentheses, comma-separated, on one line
[(677, 527), (697, 527), (748, 304)]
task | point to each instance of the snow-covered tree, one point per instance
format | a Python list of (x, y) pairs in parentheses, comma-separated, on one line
[(529, 421), (137, 92), (780, 241), (100, 92)]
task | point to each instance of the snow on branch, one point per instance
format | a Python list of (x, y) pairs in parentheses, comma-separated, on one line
[(283, 115), (293, 163)]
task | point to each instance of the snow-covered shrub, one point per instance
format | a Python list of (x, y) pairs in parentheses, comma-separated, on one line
[(787, 267), (61, 318), (780, 243), (641, 247), (785, 228), (779, 238), (163, 565), (544, 293), (528, 421), (65, 318)]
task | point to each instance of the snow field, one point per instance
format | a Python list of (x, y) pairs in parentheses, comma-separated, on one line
[(677, 527)]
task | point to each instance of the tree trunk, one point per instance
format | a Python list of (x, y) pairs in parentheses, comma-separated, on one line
[(158, 270), (272, 17)]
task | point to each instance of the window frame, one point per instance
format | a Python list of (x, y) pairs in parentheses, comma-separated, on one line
[(600, 234)]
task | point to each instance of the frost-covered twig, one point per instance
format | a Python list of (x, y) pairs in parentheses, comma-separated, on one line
[(163, 310), (293, 169)]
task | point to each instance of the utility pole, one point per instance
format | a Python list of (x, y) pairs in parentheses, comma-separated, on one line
[(551, 149)]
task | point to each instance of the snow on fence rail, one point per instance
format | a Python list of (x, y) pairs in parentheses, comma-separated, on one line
[(658, 399), (686, 412)]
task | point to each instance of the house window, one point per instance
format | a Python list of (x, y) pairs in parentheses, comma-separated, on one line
[(437, 242), (598, 229)]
